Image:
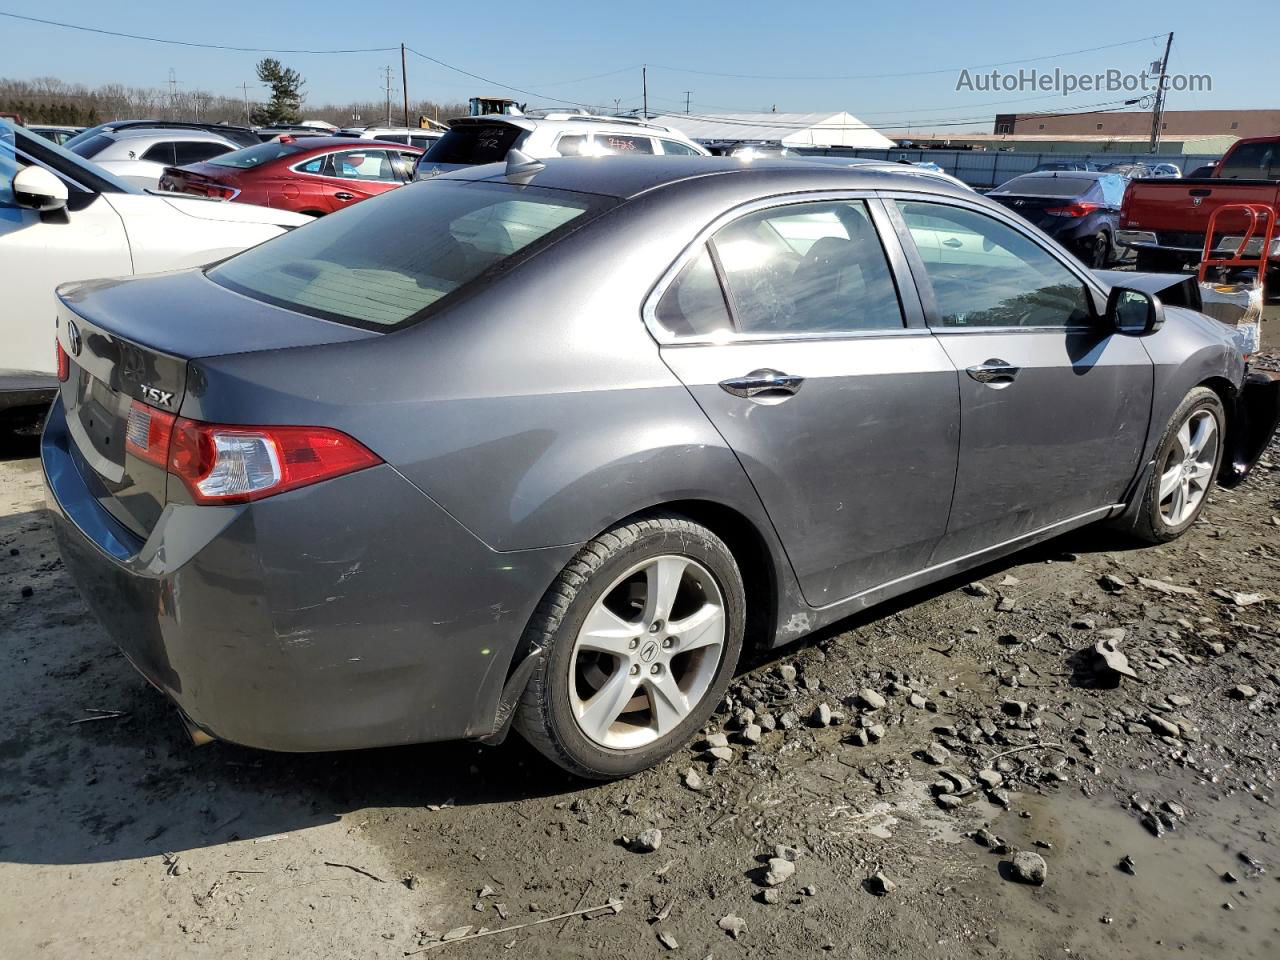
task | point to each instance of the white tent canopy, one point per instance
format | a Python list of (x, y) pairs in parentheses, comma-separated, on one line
[(789, 129)]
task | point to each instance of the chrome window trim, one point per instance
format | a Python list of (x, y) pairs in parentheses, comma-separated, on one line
[(649, 309)]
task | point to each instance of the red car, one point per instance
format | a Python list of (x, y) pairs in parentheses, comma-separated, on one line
[(315, 175)]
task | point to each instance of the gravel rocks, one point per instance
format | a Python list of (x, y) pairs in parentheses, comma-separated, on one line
[(733, 926), (647, 841), (821, 716), (880, 885), (779, 871), (869, 699), (1242, 692)]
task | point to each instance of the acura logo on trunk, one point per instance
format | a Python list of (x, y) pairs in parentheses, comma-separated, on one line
[(73, 338)]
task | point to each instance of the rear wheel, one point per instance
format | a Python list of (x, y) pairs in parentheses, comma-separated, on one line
[(1186, 463), (1098, 252), (643, 630)]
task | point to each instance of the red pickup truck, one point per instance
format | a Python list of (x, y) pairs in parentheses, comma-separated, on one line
[(1165, 220)]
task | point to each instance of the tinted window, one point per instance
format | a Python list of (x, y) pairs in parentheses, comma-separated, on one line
[(257, 156), (986, 274), (808, 268), (91, 147), (423, 142), (196, 152), (394, 138), (571, 145), (693, 305), (162, 153), (386, 260), (675, 148), (363, 165), (315, 165), (1251, 161), (617, 143), (1038, 186), (474, 143)]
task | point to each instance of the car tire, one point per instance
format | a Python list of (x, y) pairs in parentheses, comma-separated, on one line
[(1171, 499), (1099, 252), (608, 589)]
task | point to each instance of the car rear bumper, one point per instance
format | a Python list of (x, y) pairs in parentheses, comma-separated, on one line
[(352, 613), (1188, 246)]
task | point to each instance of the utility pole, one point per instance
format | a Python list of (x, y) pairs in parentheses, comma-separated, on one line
[(687, 94), (644, 83), (245, 87), (173, 93), (404, 83), (387, 70), (1157, 115)]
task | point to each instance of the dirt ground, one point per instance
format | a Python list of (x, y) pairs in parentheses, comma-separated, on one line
[(117, 838)]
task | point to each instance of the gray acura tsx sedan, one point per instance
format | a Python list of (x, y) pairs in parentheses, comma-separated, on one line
[(544, 445)]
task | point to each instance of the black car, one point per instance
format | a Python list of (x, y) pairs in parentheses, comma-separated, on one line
[(1080, 209), (1061, 165)]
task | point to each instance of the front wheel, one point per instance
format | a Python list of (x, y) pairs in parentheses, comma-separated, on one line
[(642, 632), (1186, 463)]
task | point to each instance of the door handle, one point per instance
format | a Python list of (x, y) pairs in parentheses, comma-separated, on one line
[(994, 372), (343, 195), (951, 242), (763, 382)]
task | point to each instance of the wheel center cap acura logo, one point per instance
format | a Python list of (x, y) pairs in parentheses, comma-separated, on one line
[(648, 651), (73, 338)]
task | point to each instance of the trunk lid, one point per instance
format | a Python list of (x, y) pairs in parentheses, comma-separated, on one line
[(1032, 209), (128, 344), (199, 180)]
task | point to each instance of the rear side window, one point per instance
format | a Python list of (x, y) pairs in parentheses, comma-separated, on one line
[(621, 143), (162, 153), (474, 143), (393, 138), (194, 151), (256, 156), (572, 145), (386, 262), (808, 268), (694, 305), (363, 165)]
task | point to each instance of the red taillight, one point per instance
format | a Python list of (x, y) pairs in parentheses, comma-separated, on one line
[(1073, 210), (148, 433), (232, 464), (64, 362), (221, 193)]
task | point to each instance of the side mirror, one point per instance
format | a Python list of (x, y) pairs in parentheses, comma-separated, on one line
[(1134, 312), (37, 189)]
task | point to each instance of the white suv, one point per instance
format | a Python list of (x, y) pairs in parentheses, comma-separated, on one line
[(139, 156), (488, 139)]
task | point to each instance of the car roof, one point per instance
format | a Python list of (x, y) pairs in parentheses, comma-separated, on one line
[(628, 176), (1066, 175), (166, 133), (577, 121)]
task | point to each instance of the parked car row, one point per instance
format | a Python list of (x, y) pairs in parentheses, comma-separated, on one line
[(1134, 170), (1079, 208)]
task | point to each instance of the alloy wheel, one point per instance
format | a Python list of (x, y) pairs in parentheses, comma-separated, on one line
[(1187, 470), (647, 652)]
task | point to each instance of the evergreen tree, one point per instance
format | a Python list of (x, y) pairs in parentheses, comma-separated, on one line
[(286, 85)]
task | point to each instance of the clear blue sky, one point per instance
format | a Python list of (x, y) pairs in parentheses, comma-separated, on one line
[(551, 47)]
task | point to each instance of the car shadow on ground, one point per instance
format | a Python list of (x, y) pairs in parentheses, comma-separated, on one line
[(81, 785)]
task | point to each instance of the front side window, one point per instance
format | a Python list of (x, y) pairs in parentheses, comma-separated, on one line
[(986, 274), (808, 268), (363, 165), (609, 144), (386, 261)]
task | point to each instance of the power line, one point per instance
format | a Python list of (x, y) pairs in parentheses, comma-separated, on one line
[(909, 73), (496, 83), (181, 43)]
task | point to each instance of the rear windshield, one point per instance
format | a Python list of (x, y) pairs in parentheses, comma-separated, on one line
[(384, 263), (1046, 186), (257, 156), (474, 143), (1251, 161), (92, 147)]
